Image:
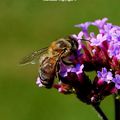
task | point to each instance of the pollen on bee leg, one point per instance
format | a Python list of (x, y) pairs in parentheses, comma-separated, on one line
[(38, 82), (60, 89)]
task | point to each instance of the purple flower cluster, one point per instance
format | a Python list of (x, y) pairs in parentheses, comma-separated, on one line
[(96, 52)]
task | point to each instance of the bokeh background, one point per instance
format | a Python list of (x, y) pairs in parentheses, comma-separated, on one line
[(27, 25)]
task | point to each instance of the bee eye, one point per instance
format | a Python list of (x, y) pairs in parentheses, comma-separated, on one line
[(61, 44)]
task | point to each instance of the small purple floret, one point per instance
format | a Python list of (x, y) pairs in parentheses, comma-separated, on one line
[(84, 26), (64, 70), (98, 40), (116, 80), (100, 23), (105, 75)]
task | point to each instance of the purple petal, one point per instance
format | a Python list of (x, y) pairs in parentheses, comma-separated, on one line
[(116, 80), (100, 23), (98, 40), (84, 26), (105, 75)]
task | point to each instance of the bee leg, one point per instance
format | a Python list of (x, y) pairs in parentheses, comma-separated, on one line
[(67, 62), (57, 68)]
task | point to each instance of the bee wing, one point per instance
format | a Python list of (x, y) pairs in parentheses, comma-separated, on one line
[(33, 56)]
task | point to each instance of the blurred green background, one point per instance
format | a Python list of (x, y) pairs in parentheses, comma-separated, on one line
[(27, 25)]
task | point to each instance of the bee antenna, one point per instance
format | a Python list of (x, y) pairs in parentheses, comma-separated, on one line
[(71, 37), (84, 39)]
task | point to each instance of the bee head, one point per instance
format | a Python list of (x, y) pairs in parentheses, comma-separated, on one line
[(60, 46), (73, 42)]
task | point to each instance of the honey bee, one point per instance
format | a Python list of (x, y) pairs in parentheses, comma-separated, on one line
[(50, 57)]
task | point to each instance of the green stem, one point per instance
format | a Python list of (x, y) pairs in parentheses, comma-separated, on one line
[(100, 112), (117, 108)]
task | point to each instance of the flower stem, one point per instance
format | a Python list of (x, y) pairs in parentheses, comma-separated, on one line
[(117, 108), (100, 112)]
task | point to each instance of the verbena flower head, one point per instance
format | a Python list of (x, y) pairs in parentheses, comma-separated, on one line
[(95, 52)]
